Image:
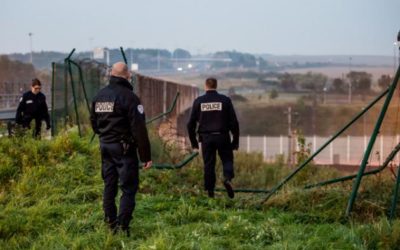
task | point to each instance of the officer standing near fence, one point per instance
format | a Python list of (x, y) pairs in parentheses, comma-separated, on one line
[(117, 116), (216, 119), (33, 106)]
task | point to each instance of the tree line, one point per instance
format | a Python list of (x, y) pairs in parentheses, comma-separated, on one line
[(360, 82)]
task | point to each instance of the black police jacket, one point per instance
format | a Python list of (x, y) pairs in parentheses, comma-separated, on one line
[(32, 106), (118, 116), (214, 113)]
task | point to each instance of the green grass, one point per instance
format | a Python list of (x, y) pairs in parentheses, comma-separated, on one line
[(51, 196)]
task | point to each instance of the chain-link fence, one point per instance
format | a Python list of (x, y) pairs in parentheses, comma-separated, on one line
[(75, 83)]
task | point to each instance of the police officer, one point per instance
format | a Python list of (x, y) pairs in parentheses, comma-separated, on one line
[(216, 119), (117, 116), (32, 106)]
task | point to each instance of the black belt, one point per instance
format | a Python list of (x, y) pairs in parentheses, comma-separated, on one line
[(213, 133)]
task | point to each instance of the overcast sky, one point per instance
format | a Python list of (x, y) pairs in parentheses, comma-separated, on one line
[(281, 27)]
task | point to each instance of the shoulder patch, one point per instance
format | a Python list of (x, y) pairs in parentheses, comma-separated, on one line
[(20, 99), (140, 108), (104, 107), (211, 106)]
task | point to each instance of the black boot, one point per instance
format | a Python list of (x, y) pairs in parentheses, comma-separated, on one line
[(210, 193), (229, 189)]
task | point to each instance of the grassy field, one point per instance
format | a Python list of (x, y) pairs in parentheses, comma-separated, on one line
[(51, 191)]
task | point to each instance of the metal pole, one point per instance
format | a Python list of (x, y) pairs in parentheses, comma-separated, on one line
[(265, 147), (70, 54), (395, 196), (126, 62), (394, 57), (381, 153), (66, 85), (398, 44), (350, 80), (348, 149), (82, 82), (283, 182), (290, 153), (357, 181), (31, 47), (171, 108), (73, 93), (349, 177), (123, 55)]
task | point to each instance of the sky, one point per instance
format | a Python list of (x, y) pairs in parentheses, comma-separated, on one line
[(279, 27)]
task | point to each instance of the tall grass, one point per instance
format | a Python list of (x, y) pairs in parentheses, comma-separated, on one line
[(51, 192)]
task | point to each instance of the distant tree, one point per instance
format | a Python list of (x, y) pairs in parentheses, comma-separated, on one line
[(15, 71), (262, 63), (273, 94), (338, 85), (181, 54), (287, 82), (384, 81), (238, 59), (360, 81), (310, 81)]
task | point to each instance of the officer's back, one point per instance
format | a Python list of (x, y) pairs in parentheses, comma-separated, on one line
[(215, 112), (216, 119), (119, 119), (111, 106)]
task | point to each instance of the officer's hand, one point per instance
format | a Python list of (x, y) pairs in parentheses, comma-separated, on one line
[(147, 165), (235, 146), (195, 150)]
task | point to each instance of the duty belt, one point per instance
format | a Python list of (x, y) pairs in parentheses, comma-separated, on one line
[(213, 133)]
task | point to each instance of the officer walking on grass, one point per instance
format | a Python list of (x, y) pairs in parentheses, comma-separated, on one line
[(117, 116), (216, 119)]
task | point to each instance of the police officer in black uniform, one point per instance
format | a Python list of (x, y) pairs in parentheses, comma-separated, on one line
[(117, 116), (32, 106), (216, 119)]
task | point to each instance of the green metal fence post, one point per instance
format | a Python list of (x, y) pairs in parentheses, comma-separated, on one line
[(126, 62), (65, 91), (290, 176), (395, 196), (375, 133), (171, 108), (389, 158), (123, 55), (82, 82), (66, 85), (70, 54), (74, 95), (163, 166)]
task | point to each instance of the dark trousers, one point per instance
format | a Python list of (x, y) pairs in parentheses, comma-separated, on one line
[(210, 145), (121, 167), (38, 125)]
